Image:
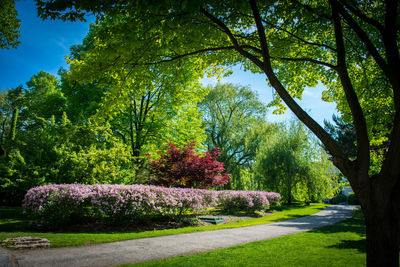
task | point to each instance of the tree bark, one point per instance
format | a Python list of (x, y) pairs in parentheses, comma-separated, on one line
[(382, 243), (382, 220)]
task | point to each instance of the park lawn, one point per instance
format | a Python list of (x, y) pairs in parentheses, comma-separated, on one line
[(342, 244), (13, 223)]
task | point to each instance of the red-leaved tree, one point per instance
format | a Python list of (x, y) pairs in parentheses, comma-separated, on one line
[(186, 168)]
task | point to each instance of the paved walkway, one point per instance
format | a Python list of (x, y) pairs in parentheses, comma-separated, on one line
[(146, 249)]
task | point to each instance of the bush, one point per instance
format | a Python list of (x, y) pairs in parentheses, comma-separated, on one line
[(55, 205), (338, 199), (186, 168), (352, 199), (234, 201)]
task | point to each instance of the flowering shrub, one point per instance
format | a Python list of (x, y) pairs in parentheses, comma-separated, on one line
[(53, 205), (57, 204), (231, 201), (186, 168)]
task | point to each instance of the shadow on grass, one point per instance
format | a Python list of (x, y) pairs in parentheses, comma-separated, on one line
[(12, 219), (15, 213), (351, 244), (356, 224)]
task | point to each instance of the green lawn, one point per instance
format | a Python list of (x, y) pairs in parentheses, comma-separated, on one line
[(342, 244), (13, 224)]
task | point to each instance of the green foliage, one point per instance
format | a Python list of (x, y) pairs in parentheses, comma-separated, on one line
[(339, 198), (300, 43), (146, 106), (13, 127), (43, 146), (43, 97), (102, 159), (234, 121), (352, 199), (344, 135), (63, 153), (9, 25), (293, 164), (10, 103)]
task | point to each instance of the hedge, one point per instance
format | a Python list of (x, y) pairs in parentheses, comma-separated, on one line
[(52, 205)]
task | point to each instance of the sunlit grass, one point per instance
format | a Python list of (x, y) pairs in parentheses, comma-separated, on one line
[(342, 244)]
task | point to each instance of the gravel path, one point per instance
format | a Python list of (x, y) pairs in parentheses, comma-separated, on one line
[(145, 249)]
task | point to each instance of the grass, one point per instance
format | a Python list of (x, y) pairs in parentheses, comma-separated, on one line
[(13, 223), (342, 244)]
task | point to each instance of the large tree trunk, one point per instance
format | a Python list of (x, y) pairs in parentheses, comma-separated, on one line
[(381, 212), (382, 242)]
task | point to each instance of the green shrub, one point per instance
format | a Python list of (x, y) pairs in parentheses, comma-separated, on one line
[(352, 199), (338, 199)]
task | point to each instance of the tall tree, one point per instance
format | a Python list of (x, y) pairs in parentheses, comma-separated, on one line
[(44, 97), (11, 102), (9, 24), (344, 134), (234, 120), (344, 44), (147, 106), (39, 145), (292, 163)]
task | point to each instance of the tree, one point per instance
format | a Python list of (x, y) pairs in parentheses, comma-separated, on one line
[(44, 97), (344, 134), (344, 44), (289, 162), (9, 25), (147, 106), (41, 146), (234, 121), (186, 168), (10, 103)]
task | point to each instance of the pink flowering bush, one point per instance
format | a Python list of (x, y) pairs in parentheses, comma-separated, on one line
[(58, 204), (53, 205), (232, 201)]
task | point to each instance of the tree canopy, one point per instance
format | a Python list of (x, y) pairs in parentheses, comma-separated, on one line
[(234, 121), (290, 161), (9, 25)]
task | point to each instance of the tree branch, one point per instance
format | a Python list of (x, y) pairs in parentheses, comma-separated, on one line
[(356, 11), (312, 10), (363, 146), (298, 37), (175, 57), (363, 38), (307, 60), (232, 38), (390, 165), (392, 50), (340, 159)]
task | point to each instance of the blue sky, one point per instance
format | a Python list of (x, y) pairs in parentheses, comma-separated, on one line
[(44, 45)]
